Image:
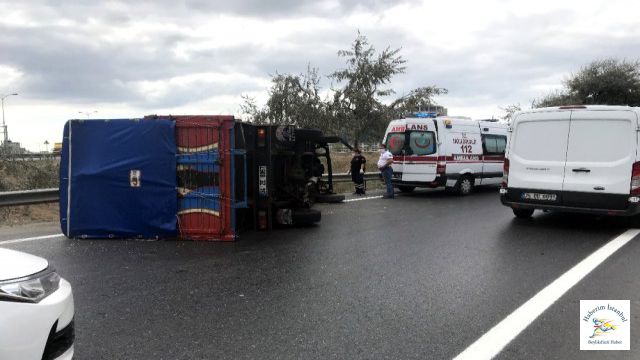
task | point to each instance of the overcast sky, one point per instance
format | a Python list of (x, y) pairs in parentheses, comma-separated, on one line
[(133, 58)]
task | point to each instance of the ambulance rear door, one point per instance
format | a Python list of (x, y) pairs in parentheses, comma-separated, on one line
[(494, 142), (395, 141), (420, 151)]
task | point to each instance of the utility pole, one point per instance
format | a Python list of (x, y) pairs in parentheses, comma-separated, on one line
[(4, 124)]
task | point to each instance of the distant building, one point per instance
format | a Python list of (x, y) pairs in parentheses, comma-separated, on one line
[(13, 148)]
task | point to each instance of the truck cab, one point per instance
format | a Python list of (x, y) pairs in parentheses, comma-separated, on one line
[(286, 173)]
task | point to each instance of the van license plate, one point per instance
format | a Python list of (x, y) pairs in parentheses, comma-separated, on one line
[(538, 196)]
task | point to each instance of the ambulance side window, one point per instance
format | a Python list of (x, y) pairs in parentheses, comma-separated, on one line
[(422, 143), (494, 144), (395, 143)]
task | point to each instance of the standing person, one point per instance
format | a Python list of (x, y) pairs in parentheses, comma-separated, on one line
[(384, 165), (357, 170)]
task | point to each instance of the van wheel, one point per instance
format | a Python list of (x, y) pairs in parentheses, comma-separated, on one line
[(464, 186), (523, 213), (633, 221), (406, 189)]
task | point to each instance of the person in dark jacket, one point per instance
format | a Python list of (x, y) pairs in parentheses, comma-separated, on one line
[(358, 165)]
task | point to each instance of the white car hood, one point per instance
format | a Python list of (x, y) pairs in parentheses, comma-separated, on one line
[(16, 264)]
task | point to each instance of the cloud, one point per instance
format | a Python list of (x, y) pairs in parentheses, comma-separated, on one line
[(121, 12), (179, 56)]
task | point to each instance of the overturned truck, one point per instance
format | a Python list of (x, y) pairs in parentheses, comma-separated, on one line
[(190, 177)]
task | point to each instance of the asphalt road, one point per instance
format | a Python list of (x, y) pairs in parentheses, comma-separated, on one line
[(419, 277)]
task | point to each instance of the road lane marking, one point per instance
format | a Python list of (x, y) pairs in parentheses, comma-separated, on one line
[(493, 341), (364, 198), (15, 241)]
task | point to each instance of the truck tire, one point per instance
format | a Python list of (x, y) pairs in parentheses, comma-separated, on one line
[(329, 139), (522, 213), (308, 134), (406, 189), (305, 216), (329, 198), (464, 186)]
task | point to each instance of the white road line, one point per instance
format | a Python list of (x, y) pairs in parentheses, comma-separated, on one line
[(14, 241), (493, 341), (364, 198)]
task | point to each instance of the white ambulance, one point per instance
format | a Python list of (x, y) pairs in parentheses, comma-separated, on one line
[(451, 151), (574, 158)]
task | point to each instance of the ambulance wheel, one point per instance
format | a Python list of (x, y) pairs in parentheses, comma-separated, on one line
[(406, 189), (522, 213), (305, 216), (464, 186)]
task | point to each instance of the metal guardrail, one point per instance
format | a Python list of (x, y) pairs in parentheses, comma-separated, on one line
[(28, 197), (29, 157), (345, 177), (42, 196)]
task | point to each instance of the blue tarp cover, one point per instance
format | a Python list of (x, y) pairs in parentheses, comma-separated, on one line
[(118, 179)]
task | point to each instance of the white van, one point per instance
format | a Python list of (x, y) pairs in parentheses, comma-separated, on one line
[(456, 152), (573, 158)]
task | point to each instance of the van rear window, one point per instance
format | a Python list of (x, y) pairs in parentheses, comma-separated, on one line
[(395, 143)]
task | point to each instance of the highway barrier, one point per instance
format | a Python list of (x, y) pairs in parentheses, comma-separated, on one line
[(29, 197), (43, 196)]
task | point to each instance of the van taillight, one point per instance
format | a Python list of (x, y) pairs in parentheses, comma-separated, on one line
[(635, 179), (505, 174)]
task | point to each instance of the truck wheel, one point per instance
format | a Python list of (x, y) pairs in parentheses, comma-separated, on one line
[(464, 186), (305, 216), (308, 134), (329, 139), (522, 213), (406, 189), (329, 198)]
